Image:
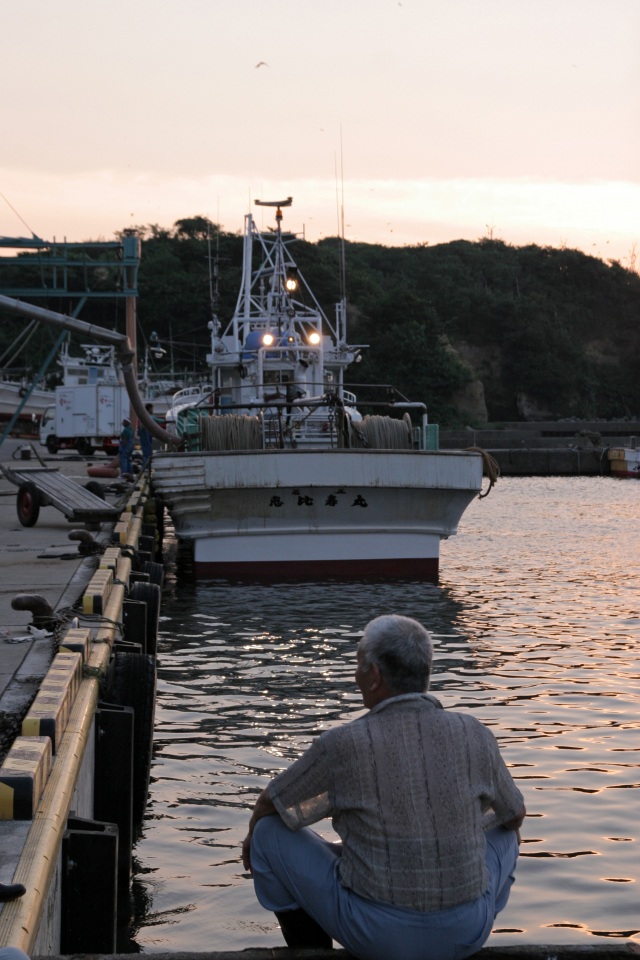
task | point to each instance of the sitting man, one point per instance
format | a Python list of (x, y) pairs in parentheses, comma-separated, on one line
[(426, 809)]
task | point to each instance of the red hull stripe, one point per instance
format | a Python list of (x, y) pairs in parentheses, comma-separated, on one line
[(393, 569)]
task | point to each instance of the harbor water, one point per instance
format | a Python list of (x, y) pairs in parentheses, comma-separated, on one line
[(536, 626)]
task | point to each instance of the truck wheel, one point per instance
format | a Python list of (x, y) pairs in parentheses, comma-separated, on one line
[(28, 505), (52, 444), (83, 447)]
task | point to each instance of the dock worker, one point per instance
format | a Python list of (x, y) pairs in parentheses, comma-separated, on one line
[(146, 438), (125, 449), (425, 807)]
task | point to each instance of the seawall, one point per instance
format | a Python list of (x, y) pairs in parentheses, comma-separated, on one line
[(547, 448)]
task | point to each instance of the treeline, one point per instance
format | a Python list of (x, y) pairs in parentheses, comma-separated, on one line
[(479, 331)]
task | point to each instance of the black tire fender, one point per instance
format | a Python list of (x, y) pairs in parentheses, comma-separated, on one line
[(132, 683), (28, 503), (150, 594), (155, 571)]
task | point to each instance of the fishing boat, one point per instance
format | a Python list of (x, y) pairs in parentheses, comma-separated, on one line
[(625, 461), (16, 391), (280, 475)]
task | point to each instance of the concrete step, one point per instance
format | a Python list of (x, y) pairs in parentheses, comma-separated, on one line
[(587, 951)]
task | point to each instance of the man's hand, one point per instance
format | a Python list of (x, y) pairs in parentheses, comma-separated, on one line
[(516, 823), (263, 808), (246, 853)]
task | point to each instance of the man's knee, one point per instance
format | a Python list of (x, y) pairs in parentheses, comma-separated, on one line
[(12, 953), (502, 843), (501, 859), (266, 828)]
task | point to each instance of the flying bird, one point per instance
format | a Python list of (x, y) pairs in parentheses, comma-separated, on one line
[(262, 63)]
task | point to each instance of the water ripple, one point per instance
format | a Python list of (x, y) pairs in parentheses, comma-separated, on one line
[(536, 630)]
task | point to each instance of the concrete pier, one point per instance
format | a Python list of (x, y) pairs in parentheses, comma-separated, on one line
[(64, 588), (616, 951)]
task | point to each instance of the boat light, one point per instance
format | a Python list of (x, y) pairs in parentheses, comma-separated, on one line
[(291, 280), (314, 338), (267, 339)]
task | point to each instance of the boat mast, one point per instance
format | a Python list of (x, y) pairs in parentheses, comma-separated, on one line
[(247, 257)]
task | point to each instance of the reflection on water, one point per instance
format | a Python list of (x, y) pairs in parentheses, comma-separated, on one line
[(536, 629)]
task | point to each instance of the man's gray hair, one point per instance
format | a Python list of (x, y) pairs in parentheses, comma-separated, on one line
[(402, 649)]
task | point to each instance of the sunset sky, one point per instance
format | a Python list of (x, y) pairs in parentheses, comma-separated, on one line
[(434, 119)]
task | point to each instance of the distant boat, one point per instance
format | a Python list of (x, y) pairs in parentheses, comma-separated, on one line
[(281, 475), (13, 392), (625, 461), (95, 366)]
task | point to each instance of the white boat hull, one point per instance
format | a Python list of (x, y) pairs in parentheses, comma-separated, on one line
[(318, 512), (13, 394)]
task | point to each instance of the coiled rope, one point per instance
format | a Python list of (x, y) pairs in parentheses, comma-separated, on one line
[(231, 432), (381, 433), (490, 469)]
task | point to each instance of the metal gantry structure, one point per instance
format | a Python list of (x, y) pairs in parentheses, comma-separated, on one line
[(75, 272)]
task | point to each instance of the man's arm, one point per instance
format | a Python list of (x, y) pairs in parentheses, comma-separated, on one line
[(516, 822), (263, 808)]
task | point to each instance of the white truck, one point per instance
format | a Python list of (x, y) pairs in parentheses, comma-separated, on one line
[(86, 418)]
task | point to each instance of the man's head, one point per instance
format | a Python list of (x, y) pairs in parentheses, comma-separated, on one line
[(125, 422), (394, 657)]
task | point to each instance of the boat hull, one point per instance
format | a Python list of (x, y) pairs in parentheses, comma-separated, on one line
[(12, 395), (329, 513), (625, 462)]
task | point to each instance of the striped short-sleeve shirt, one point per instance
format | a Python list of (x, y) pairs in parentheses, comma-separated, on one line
[(411, 789)]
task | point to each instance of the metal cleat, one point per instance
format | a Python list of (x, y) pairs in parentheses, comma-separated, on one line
[(43, 615), (87, 546)]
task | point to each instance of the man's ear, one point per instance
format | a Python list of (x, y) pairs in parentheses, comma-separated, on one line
[(376, 680)]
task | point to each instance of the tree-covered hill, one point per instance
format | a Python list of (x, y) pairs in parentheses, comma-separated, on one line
[(479, 331)]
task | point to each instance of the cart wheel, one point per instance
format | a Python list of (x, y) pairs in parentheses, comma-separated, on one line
[(52, 444), (95, 488), (28, 505)]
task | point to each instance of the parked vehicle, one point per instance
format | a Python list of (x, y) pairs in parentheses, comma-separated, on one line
[(85, 418)]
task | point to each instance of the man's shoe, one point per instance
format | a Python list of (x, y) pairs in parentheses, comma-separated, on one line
[(11, 891), (301, 930)]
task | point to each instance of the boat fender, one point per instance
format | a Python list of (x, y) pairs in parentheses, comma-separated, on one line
[(100, 471), (155, 571), (148, 593), (131, 682)]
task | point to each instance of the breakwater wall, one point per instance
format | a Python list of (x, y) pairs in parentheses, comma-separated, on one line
[(547, 448)]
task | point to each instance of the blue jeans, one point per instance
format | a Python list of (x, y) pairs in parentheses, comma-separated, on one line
[(124, 455), (299, 869)]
